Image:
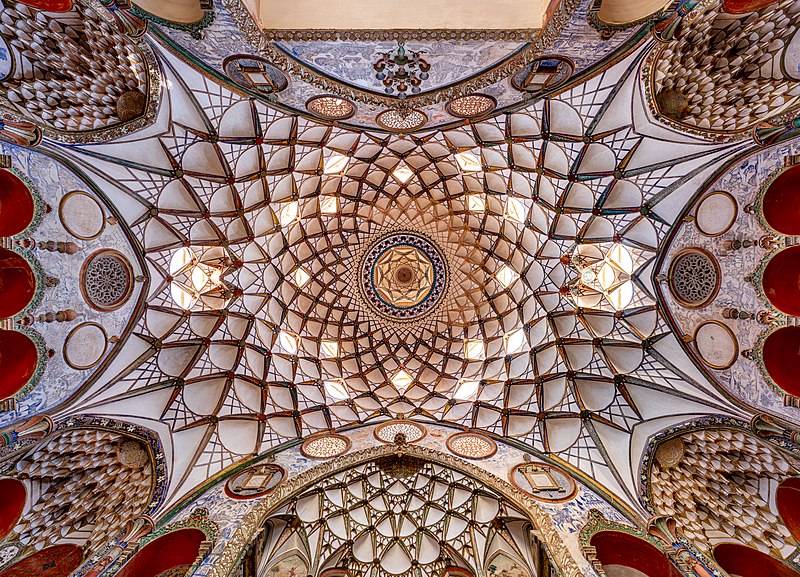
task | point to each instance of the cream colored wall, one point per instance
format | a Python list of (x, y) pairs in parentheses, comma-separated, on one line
[(186, 11), (414, 14), (624, 11)]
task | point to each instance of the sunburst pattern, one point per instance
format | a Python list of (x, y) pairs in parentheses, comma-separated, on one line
[(400, 516), (507, 349)]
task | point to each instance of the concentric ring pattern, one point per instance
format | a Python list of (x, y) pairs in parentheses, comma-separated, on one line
[(505, 349)]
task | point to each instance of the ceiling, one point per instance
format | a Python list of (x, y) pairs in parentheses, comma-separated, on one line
[(219, 169), (501, 273)]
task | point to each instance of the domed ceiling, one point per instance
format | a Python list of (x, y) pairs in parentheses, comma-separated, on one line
[(523, 331), (318, 254)]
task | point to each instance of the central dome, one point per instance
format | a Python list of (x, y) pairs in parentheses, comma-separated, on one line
[(403, 275)]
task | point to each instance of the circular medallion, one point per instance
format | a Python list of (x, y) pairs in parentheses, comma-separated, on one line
[(400, 431), (254, 482), (471, 445), (106, 280), (81, 215), (543, 482), (401, 120), (716, 344), (330, 107), (255, 73), (402, 276), (133, 454), (670, 453), (325, 446), (694, 278), (715, 214), (471, 105), (542, 74), (85, 345)]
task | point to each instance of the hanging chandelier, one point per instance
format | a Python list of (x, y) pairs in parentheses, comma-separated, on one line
[(398, 71), (199, 280), (604, 276)]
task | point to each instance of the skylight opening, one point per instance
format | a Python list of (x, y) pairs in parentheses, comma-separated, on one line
[(301, 277), (401, 380), (622, 296), (515, 210), (506, 276), (329, 349), (181, 258), (465, 390), (289, 213), (515, 341), (183, 297), (337, 390), (402, 173), (476, 203), (289, 343), (474, 350), (328, 204), (336, 164), (468, 162)]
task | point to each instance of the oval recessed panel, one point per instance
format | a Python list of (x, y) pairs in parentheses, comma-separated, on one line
[(85, 346), (716, 213), (81, 215), (716, 344)]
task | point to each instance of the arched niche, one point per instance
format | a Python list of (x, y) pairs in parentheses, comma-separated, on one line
[(169, 552), (781, 355), (741, 561), (623, 555), (16, 204), (184, 11), (781, 204), (781, 281), (620, 12), (17, 283), (279, 504), (787, 500), (58, 561), (745, 6), (11, 505), (49, 5), (18, 361)]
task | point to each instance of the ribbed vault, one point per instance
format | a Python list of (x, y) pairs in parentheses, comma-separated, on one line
[(548, 332)]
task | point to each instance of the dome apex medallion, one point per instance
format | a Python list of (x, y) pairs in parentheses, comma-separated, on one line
[(402, 275)]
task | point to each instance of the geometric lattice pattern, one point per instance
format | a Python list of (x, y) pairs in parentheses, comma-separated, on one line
[(400, 516), (722, 489), (502, 200), (727, 68)]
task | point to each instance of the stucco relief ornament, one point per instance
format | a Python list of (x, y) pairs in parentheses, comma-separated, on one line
[(261, 41), (22, 435), (769, 133), (127, 22), (20, 132), (398, 71), (121, 546), (666, 529), (543, 525), (669, 27)]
